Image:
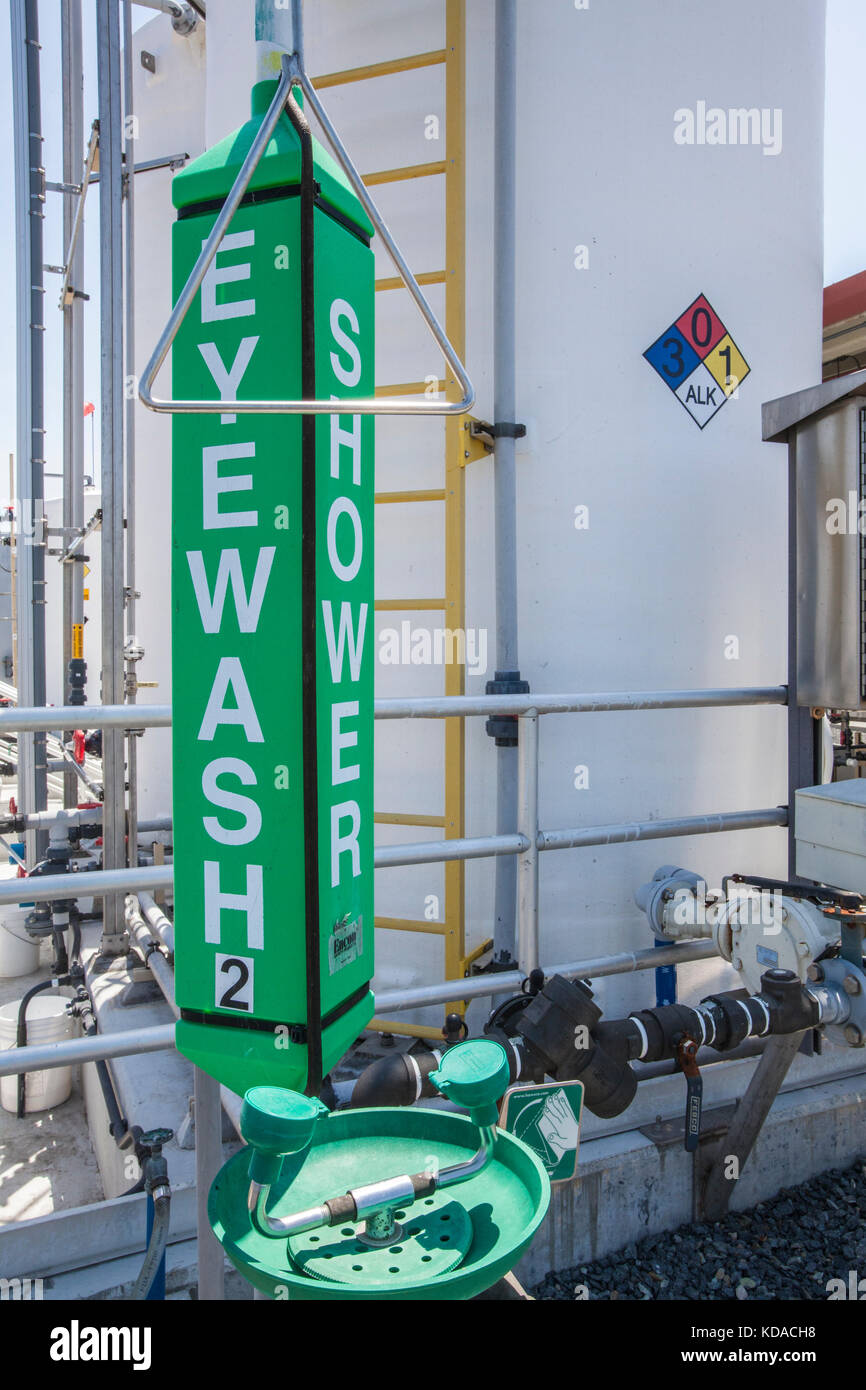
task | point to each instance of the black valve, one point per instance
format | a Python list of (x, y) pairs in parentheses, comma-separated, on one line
[(502, 728)]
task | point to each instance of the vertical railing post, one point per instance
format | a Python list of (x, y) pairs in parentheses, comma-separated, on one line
[(527, 825), (208, 1161), (112, 553)]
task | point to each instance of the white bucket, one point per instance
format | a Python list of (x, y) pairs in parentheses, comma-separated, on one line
[(19, 953), (47, 1022)]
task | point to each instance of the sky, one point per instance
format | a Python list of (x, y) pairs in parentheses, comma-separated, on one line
[(844, 200)]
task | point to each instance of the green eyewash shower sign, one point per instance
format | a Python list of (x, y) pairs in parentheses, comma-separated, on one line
[(272, 621)]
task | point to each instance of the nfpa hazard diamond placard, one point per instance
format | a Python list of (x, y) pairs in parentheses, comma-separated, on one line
[(699, 360)]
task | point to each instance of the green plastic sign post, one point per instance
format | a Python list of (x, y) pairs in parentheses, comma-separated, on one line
[(547, 1119), (272, 620)]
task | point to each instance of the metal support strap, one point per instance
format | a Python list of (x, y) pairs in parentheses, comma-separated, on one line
[(292, 74)]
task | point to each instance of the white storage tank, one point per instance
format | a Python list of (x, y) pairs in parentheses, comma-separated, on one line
[(669, 175)]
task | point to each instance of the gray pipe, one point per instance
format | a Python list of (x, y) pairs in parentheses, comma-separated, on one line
[(38, 1057), (183, 17), (208, 1161), (130, 681), (477, 987), (111, 424), (159, 716), (117, 716), (30, 216), (504, 471), (151, 949), (157, 921), (73, 344), (44, 1056), (84, 884), (605, 702)]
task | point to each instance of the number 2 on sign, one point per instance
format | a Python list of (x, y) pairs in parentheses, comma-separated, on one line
[(234, 983)]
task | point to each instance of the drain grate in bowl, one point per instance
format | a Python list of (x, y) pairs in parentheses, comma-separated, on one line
[(435, 1238)]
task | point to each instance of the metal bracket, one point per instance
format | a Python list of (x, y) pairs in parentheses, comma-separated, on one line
[(293, 74), (478, 441)]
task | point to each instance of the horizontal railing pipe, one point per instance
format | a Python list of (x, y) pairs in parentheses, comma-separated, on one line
[(87, 884), (33, 719), (30, 719), (43, 1056), (501, 982), (442, 707), (439, 851), (627, 832), (98, 882)]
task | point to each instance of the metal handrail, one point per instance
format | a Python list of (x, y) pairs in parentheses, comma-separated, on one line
[(20, 718), (293, 74)]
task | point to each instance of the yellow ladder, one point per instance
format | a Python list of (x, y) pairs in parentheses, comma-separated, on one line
[(459, 450)]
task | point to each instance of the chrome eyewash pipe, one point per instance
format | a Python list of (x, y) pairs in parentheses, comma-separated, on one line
[(362, 1203)]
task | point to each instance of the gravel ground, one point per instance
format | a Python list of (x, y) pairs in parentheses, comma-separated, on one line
[(786, 1248)]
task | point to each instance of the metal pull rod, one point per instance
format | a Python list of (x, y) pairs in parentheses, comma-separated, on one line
[(292, 74)]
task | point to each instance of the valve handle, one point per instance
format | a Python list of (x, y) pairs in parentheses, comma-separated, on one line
[(474, 1075), (687, 1053)]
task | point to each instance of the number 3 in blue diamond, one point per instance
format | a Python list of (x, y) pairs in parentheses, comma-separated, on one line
[(672, 357)]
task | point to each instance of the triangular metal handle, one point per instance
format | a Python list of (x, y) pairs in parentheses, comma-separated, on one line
[(292, 74)]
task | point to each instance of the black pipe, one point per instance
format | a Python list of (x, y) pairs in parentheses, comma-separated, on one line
[(21, 1034), (405, 1077), (117, 1125), (395, 1080)]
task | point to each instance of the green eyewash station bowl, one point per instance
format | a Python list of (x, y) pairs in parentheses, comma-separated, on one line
[(408, 1203)]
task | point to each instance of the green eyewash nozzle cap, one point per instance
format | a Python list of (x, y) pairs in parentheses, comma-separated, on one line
[(276, 1122), (474, 1075)]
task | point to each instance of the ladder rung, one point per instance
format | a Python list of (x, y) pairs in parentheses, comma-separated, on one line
[(410, 924), (433, 494), (409, 605), (427, 277), (409, 388), (407, 171), (385, 69), (403, 818)]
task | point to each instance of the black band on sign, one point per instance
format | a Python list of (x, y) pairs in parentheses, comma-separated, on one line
[(309, 603), (297, 1031)]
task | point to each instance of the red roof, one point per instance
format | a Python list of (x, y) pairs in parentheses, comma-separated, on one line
[(845, 300)]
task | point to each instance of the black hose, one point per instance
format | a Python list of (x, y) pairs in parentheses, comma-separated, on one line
[(21, 1035), (117, 1126), (61, 960)]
